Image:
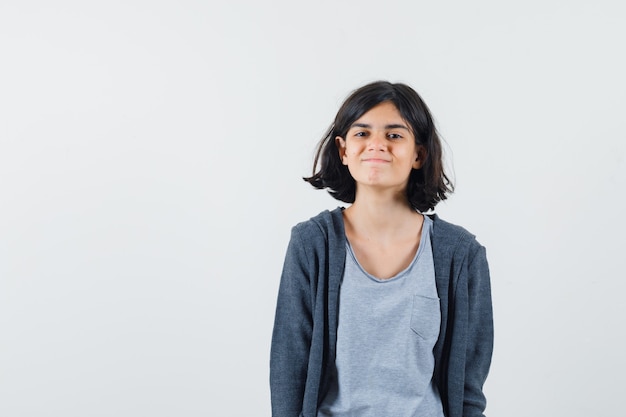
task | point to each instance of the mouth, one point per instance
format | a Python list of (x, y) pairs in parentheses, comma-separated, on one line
[(376, 160)]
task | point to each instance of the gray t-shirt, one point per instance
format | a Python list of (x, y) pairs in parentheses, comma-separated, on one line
[(385, 338)]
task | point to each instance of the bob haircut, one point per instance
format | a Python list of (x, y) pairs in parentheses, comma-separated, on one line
[(426, 187)]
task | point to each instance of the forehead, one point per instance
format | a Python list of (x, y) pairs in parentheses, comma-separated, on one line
[(383, 114)]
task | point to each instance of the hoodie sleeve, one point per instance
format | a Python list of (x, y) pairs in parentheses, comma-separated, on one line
[(479, 334), (293, 326)]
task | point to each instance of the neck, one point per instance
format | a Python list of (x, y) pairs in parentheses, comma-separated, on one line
[(383, 214)]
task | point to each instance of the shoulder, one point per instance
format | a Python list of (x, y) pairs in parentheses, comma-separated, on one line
[(321, 239), (327, 225), (448, 237)]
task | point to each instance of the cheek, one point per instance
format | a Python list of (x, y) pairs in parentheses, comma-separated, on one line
[(349, 153)]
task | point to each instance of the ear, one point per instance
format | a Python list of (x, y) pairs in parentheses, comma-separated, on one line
[(420, 156), (341, 146)]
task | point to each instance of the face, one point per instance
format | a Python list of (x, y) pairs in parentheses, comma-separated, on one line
[(379, 149)]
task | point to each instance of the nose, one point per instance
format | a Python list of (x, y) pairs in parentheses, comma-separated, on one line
[(377, 142)]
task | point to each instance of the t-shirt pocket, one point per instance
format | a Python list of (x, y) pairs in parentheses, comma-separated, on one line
[(426, 317)]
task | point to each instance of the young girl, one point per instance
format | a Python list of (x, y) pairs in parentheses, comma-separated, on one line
[(382, 311)]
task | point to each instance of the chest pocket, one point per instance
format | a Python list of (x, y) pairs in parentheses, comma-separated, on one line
[(426, 317)]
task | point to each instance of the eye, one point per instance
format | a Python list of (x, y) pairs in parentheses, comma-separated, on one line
[(360, 134), (394, 136)]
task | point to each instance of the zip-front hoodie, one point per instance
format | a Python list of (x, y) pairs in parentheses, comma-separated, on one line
[(305, 327)]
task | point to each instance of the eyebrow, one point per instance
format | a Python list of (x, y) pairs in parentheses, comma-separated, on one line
[(390, 126)]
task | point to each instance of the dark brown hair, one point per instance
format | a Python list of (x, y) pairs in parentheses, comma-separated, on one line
[(426, 187)]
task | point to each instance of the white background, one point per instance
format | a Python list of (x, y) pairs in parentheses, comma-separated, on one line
[(151, 156)]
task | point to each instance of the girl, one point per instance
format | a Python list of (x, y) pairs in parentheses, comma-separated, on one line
[(382, 311)]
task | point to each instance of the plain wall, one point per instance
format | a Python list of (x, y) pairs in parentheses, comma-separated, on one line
[(151, 156)]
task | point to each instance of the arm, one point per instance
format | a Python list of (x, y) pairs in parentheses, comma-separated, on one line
[(479, 334), (291, 338)]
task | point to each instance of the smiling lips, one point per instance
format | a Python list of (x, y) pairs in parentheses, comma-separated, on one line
[(375, 160)]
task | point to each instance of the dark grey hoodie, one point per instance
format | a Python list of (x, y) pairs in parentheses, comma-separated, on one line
[(305, 326)]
